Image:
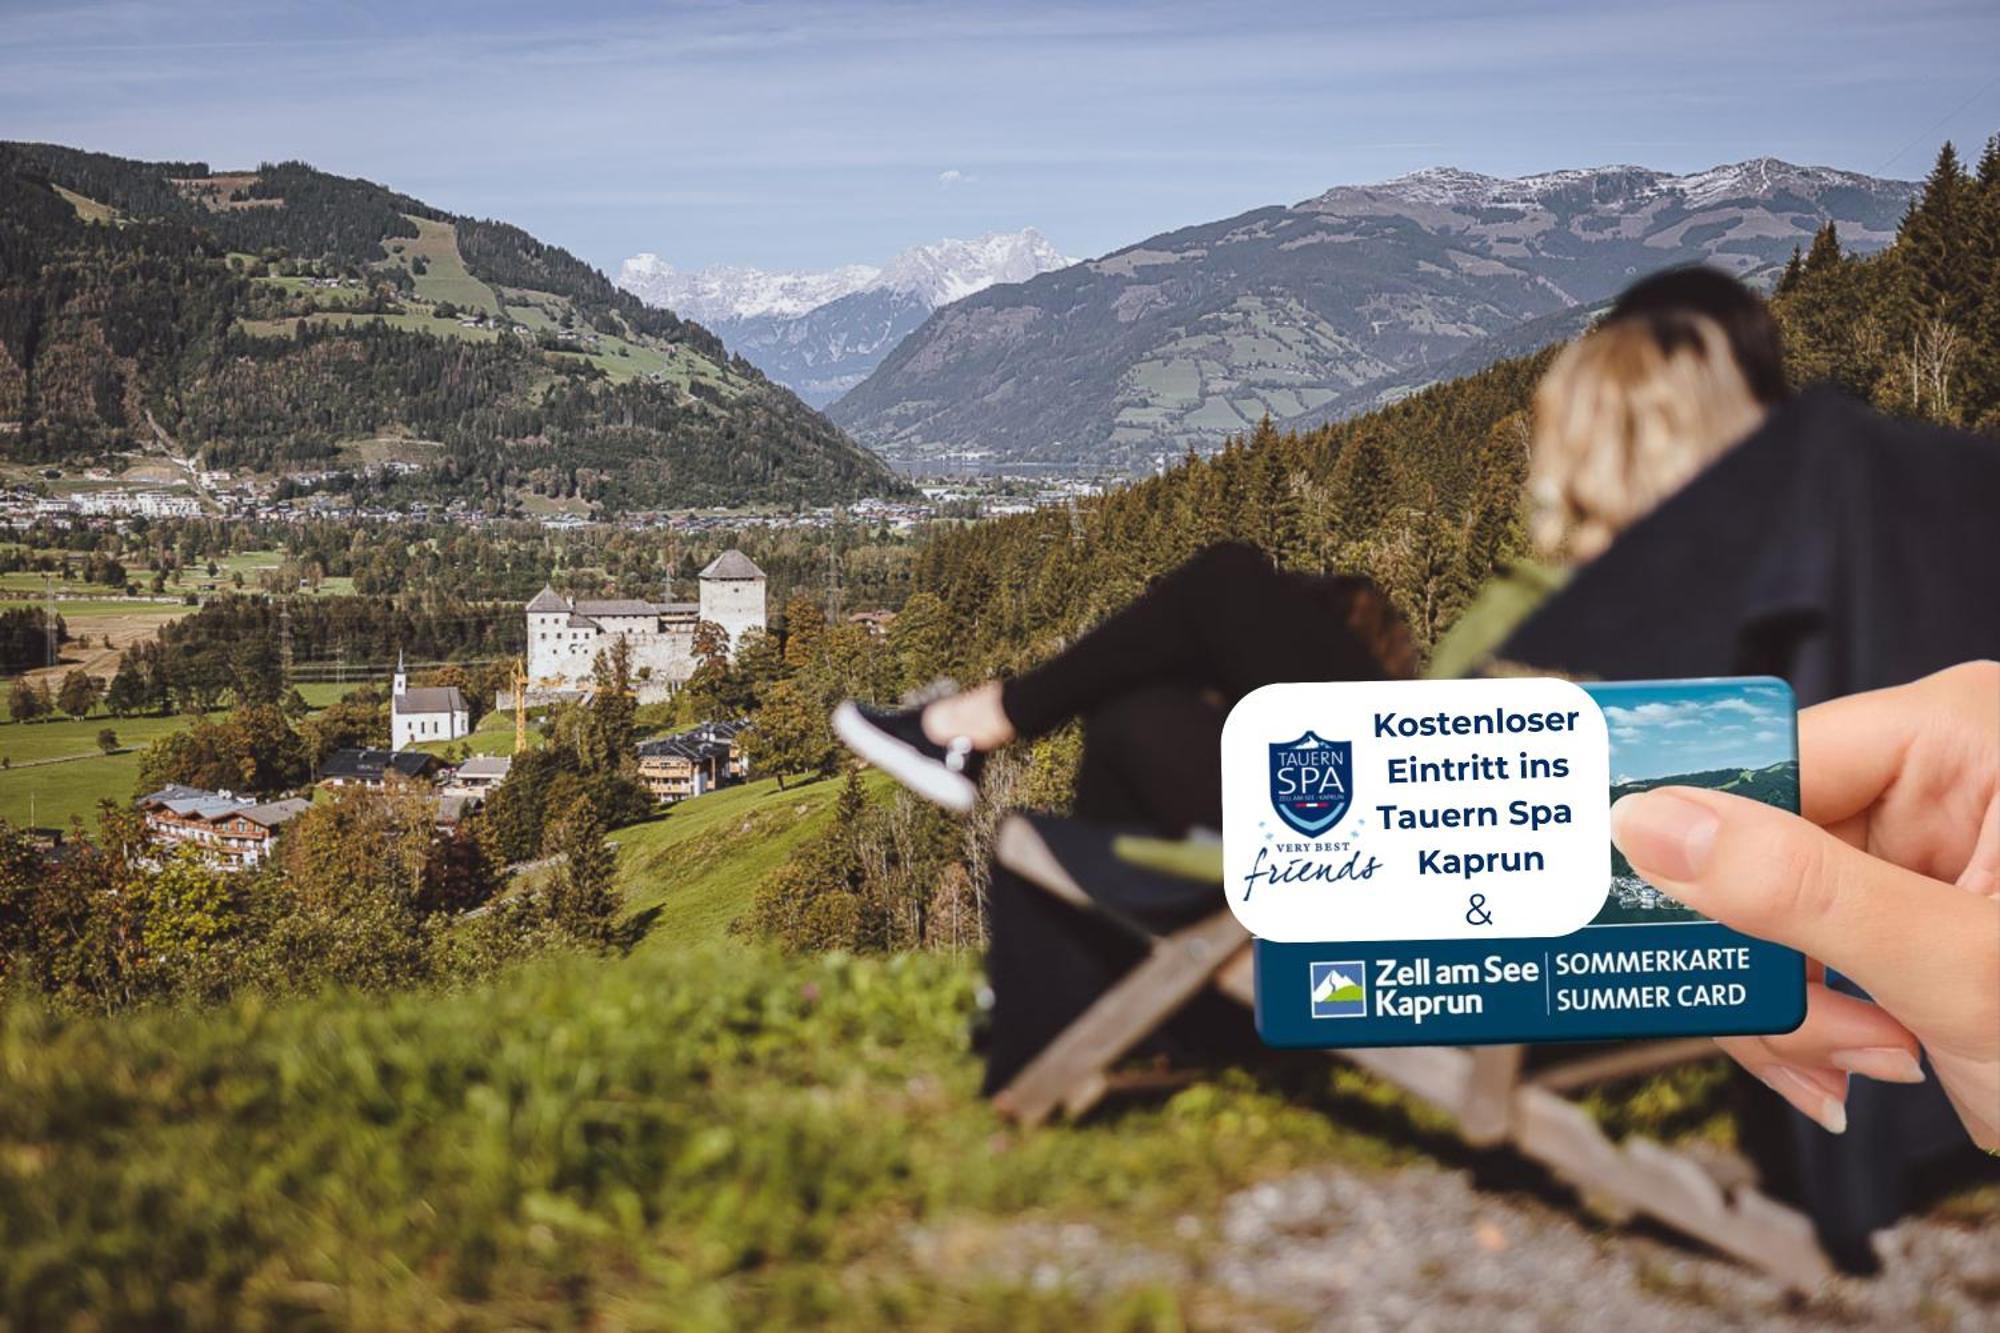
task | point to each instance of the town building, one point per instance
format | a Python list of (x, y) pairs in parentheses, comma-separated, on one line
[(692, 762), (479, 775), (565, 637), (231, 832), (425, 713), (372, 769)]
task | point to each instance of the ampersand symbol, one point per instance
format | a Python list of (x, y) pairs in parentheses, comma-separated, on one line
[(1478, 916)]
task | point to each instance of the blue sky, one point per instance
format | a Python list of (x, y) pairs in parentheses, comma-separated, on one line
[(793, 133), (1659, 730)]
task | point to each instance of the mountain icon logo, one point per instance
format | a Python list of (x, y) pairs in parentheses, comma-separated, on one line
[(1339, 989)]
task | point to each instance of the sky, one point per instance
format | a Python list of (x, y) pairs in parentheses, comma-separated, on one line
[(1661, 730), (796, 133)]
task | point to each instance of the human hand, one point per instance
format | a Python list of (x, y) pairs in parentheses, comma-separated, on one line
[(1892, 878)]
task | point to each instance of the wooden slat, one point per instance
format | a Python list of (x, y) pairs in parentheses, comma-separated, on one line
[(1646, 1178), (1070, 1070), (1488, 1111), (1482, 1087)]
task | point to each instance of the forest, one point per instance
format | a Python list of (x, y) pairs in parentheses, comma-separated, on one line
[(130, 334)]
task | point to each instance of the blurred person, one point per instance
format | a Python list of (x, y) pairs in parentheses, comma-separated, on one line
[(1625, 416)]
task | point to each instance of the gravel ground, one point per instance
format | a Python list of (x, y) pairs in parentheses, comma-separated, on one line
[(1422, 1248)]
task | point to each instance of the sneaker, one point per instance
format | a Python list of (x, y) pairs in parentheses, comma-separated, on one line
[(894, 742)]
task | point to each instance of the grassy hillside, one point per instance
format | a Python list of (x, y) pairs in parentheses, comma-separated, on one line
[(693, 870), (705, 1139), (265, 321)]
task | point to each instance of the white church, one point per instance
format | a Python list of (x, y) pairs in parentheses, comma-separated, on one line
[(425, 713), (564, 637)]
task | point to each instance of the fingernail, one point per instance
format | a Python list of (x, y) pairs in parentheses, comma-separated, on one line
[(1663, 834), (1889, 1064), (1813, 1101)]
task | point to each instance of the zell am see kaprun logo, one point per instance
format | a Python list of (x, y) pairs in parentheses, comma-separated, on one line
[(1339, 990), (1309, 782)]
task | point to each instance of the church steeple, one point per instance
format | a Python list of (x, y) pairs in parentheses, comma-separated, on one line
[(402, 682)]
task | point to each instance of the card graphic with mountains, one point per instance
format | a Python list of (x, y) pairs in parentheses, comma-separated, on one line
[(1727, 735)]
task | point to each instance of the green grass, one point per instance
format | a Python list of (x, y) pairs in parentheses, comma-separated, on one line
[(100, 606), (696, 867), (493, 735), (447, 278), (423, 323), (23, 741), (50, 795), (54, 793), (689, 1139)]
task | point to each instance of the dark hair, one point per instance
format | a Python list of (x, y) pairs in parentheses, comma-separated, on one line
[(1744, 318)]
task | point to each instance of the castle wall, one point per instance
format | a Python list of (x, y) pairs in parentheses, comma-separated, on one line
[(562, 650)]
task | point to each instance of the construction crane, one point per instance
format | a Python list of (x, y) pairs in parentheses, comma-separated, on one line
[(520, 705)]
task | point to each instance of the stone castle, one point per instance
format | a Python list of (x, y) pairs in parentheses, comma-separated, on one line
[(564, 637)]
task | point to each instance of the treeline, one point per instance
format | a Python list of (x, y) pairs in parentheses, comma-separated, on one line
[(1914, 329), (234, 645), (24, 638)]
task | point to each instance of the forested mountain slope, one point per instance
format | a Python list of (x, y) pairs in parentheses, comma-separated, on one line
[(278, 320), (1425, 495), (1193, 336)]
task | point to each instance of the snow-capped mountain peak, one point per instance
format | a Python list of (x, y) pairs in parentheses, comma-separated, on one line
[(732, 291), (939, 273), (1615, 185), (951, 270), (821, 332)]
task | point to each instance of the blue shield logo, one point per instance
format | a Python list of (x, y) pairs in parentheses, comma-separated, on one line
[(1310, 782)]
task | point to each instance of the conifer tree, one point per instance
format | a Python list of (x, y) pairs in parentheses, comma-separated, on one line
[(580, 900)]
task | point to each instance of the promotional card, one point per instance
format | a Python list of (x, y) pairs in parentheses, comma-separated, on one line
[(1429, 863)]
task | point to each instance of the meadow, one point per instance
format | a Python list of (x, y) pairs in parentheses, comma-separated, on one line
[(691, 870), (689, 1138)]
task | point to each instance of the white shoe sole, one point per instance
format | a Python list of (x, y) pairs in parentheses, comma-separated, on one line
[(920, 773)]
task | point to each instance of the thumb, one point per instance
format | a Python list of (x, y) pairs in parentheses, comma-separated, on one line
[(1915, 944)]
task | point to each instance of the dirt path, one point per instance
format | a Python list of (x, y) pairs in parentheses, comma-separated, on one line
[(1343, 1249)]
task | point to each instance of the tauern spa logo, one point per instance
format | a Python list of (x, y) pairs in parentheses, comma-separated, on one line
[(1311, 782)]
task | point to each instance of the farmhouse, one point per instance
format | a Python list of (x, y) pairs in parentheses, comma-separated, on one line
[(690, 763), (565, 637), (373, 768), (231, 832)]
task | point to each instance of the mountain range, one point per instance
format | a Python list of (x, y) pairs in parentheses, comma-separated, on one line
[(1324, 307), (284, 321), (822, 332)]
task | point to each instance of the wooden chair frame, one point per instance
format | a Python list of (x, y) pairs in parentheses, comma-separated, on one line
[(1484, 1088)]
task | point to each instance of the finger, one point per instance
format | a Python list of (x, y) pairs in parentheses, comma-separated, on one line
[(1818, 1094), (1982, 869), (1852, 749), (1847, 1033), (1916, 945)]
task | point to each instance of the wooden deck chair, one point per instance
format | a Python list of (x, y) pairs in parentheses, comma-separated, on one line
[(1495, 1102)]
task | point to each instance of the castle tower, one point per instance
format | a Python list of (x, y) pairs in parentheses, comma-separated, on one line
[(548, 635), (732, 595)]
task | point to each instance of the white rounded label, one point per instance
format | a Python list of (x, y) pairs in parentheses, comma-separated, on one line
[(1416, 810)]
